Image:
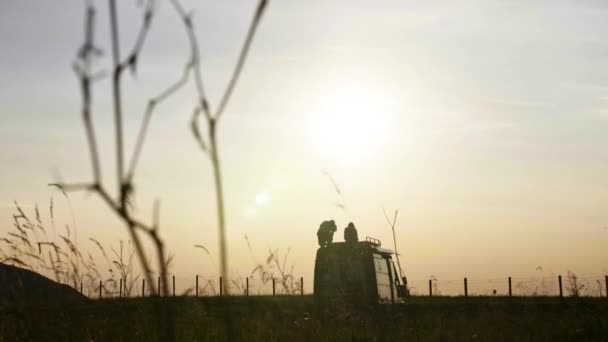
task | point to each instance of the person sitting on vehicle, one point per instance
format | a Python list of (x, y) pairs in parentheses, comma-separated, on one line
[(350, 234), (326, 231), (322, 234)]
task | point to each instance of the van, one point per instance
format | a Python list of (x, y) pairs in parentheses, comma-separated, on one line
[(357, 272)]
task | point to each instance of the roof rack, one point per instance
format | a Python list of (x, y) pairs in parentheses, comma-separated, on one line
[(373, 241)]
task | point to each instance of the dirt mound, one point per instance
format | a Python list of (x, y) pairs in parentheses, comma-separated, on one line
[(21, 286)]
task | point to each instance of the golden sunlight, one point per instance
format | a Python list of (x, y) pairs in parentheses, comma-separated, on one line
[(350, 123)]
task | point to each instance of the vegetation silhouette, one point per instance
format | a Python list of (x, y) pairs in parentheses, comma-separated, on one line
[(120, 204), (34, 245), (21, 286)]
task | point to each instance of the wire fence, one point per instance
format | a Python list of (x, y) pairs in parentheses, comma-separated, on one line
[(198, 285), (569, 285)]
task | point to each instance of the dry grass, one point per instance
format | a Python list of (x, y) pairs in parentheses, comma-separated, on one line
[(55, 254), (277, 268)]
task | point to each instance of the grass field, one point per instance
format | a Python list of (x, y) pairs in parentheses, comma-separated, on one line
[(297, 319)]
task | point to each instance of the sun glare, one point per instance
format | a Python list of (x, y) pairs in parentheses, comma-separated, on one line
[(350, 124), (262, 198)]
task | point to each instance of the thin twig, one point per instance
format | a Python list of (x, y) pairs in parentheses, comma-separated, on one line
[(195, 58), (212, 120), (194, 126), (242, 58), (392, 224), (117, 95), (84, 73), (133, 58), (152, 103)]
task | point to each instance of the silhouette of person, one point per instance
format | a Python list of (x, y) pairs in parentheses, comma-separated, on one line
[(326, 231), (322, 234), (350, 233), (332, 228)]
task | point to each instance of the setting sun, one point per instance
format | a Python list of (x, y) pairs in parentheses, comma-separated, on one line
[(350, 123)]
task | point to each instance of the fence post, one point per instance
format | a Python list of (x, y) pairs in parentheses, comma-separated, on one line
[(301, 286), (100, 289), (247, 286), (510, 289), (173, 285), (221, 287), (80, 287), (559, 279), (143, 287), (466, 288), (273, 287), (120, 289), (606, 280), (196, 285), (430, 288)]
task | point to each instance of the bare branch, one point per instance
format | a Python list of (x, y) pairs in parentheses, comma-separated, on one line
[(156, 215), (117, 95), (334, 183), (152, 103), (131, 61), (388, 220), (212, 120), (196, 130), (85, 55), (64, 188), (242, 58), (195, 58), (392, 224)]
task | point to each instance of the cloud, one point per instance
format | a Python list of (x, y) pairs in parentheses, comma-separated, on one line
[(590, 87), (522, 103), (489, 126), (473, 126), (594, 96), (598, 112)]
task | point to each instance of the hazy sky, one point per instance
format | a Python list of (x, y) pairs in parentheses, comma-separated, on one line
[(483, 122)]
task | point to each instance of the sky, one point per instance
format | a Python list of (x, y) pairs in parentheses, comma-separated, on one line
[(482, 122)]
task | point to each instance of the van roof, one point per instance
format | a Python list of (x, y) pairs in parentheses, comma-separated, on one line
[(361, 244)]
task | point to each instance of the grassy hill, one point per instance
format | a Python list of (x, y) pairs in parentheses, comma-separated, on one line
[(18, 286)]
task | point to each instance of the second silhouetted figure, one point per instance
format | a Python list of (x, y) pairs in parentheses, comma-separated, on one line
[(350, 234)]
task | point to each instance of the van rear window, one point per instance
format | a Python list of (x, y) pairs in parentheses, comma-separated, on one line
[(383, 280)]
